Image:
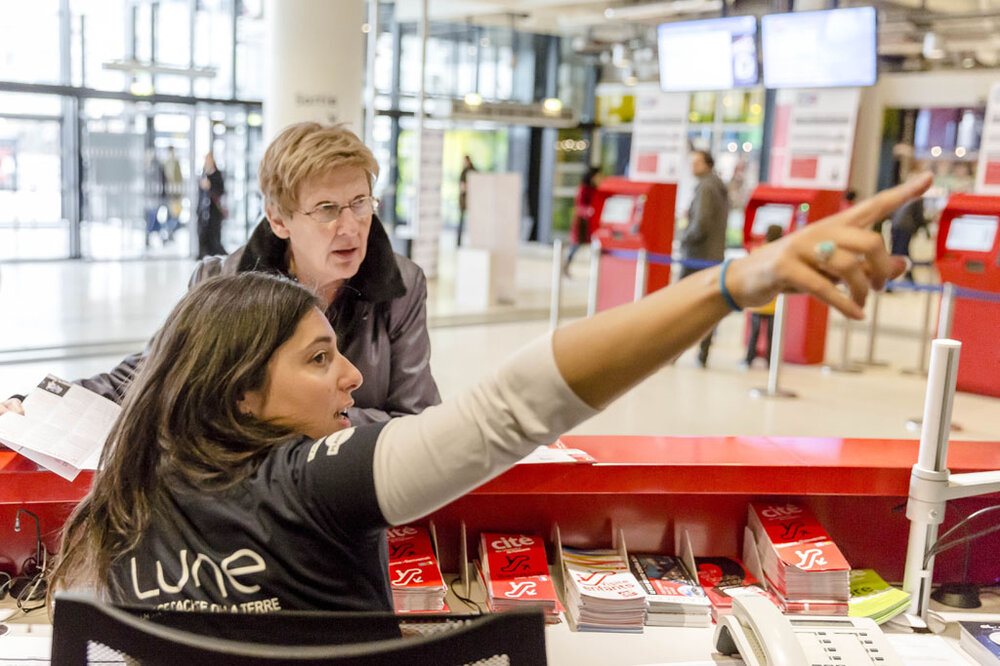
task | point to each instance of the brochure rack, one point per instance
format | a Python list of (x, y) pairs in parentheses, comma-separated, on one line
[(651, 488)]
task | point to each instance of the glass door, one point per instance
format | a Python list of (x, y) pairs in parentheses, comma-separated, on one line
[(32, 223)]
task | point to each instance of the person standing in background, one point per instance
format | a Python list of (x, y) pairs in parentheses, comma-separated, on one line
[(907, 221), (175, 192), (211, 187), (704, 238), (583, 212), (155, 187), (467, 166)]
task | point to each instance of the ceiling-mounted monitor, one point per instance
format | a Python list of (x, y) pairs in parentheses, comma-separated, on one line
[(716, 54), (836, 47)]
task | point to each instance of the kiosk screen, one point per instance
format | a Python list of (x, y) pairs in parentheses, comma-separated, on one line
[(618, 209), (768, 214), (972, 233)]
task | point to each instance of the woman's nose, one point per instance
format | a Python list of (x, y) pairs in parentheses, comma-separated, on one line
[(351, 377)]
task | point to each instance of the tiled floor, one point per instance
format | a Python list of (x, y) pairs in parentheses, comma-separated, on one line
[(78, 318)]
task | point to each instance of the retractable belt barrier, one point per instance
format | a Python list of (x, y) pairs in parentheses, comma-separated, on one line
[(949, 294)]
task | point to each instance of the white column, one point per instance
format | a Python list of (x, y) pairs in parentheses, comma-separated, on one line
[(314, 63)]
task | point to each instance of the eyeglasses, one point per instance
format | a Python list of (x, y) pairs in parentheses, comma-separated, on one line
[(330, 212)]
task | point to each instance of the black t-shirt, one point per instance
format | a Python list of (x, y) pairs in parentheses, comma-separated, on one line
[(304, 532)]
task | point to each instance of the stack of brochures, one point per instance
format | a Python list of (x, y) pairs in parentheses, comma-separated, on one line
[(601, 592), (724, 578), (873, 597), (674, 597), (981, 640), (515, 573), (801, 565), (414, 574)]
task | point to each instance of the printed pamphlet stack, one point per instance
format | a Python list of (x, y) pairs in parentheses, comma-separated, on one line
[(724, 578), (515, 573), (873, 597), (414, 573), (675, 598), (803, 567), (601, 592), (981, 640)]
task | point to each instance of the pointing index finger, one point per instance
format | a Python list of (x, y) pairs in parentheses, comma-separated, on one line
[(879, 206)]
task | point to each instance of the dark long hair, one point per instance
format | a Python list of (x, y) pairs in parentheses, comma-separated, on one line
[(180, 420)]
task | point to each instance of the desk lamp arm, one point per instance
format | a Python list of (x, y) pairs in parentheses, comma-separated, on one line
[(931, 484)]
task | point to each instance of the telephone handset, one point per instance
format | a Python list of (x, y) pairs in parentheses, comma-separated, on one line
[(762, 636)]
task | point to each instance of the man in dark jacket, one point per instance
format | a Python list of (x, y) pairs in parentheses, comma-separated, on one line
[(704, 238)]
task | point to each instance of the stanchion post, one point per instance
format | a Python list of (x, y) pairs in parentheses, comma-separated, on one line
[(845, 364), (556, 291), (641, 271), (947, 315), (925, 333), (595, 276), (774, 389), (873, 333)]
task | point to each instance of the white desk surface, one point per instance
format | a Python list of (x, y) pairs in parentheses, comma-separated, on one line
[(28, 641)]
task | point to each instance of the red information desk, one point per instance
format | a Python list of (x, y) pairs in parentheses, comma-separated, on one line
[(651, 488), (968, 255), (631, 215), (805, 317)]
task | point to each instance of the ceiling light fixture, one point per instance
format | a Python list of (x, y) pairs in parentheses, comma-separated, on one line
[(552, 106), (933, 46)]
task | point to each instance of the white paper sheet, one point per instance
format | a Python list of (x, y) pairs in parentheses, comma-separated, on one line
[(24, 644), (63, 428), (556, 454), (927, 650)]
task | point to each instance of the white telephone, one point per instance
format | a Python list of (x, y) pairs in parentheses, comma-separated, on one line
[(762, 636)]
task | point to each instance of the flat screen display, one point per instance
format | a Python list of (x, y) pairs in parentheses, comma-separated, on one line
[(717, 54), (768, 214), (824, 49), (618, 209), (972, 233)]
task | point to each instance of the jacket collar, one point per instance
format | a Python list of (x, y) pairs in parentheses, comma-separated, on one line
[(377, 280)]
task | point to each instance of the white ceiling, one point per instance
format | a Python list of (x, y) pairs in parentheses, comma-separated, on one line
[(966, 28)]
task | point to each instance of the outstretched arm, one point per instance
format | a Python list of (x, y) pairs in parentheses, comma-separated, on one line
[(423, 462)]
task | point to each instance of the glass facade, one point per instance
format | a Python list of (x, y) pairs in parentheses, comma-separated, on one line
[(499, 64), (98, 99)]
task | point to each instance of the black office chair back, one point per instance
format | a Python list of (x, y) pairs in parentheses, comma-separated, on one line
[(88, 632)]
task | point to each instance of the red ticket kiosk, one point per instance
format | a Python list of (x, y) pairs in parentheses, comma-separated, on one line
[(790, 208), (968, 255), (631, 215)]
